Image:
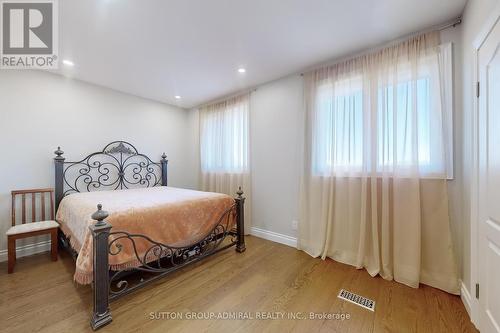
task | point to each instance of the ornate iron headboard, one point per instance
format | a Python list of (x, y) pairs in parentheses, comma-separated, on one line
[(118, 166)]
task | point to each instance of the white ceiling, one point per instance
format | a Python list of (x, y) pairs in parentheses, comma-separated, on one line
[(161, 48)]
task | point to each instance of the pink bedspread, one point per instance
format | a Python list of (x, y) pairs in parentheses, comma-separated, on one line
[(167, 215)]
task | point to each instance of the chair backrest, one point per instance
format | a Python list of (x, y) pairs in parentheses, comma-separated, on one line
[(32, 195)]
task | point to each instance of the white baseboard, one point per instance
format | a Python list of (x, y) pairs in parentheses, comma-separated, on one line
[(274, 236), (27, 250), (466, 298)]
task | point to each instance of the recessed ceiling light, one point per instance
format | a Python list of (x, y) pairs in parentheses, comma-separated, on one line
[(177, 97), (68, 63), (241, 70)]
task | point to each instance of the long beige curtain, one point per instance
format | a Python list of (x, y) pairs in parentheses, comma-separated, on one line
[(225, 149), (373, 191)]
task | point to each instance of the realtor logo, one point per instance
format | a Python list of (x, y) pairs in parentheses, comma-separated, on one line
[(29, 34)]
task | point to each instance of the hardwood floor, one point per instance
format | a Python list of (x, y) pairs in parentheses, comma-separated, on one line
[(41, 297)]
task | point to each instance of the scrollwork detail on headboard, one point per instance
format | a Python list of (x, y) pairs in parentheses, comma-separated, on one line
[(120, 148), (118, 166)]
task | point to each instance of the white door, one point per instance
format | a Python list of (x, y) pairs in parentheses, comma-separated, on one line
[(489, 182)]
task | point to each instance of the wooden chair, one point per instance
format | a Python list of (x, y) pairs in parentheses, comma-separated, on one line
[(34, 228)]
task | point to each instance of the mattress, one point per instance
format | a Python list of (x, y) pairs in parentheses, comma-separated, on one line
[(173, 216)]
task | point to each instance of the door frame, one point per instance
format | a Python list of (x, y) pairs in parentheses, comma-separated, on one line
[(481, 37)]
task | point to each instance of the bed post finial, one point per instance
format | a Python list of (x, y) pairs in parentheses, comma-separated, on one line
[(164, 170), (59, 153), (59, 176), (240, 221), (101, 314), (99, 216)]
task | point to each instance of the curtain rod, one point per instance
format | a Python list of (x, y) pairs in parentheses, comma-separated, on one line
[(450, 24), (223, 98)]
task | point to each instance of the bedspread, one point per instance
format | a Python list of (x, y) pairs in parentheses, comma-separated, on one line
[(173, 216)]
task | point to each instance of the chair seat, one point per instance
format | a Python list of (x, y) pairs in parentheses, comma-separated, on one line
[(30, 227)]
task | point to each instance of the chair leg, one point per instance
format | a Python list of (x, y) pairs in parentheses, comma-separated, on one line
[(53, 244), (11, 248)]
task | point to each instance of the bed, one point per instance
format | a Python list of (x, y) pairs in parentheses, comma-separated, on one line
[(142, 229)]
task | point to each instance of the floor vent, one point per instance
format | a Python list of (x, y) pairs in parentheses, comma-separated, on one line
[(356, 299)]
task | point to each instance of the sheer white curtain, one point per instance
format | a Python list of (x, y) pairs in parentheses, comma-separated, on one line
[(377, 156), (225, 149)]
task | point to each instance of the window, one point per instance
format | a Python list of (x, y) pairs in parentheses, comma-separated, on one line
[(396, 118), (339, 127), (224, 137), (406, 135)]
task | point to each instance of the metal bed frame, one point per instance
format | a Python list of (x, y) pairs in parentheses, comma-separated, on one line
[(120, 166)]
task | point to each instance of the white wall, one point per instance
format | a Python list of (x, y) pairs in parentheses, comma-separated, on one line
[(276, 111), (40, 111), (193, 134), (475, 15), (455, 186)]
